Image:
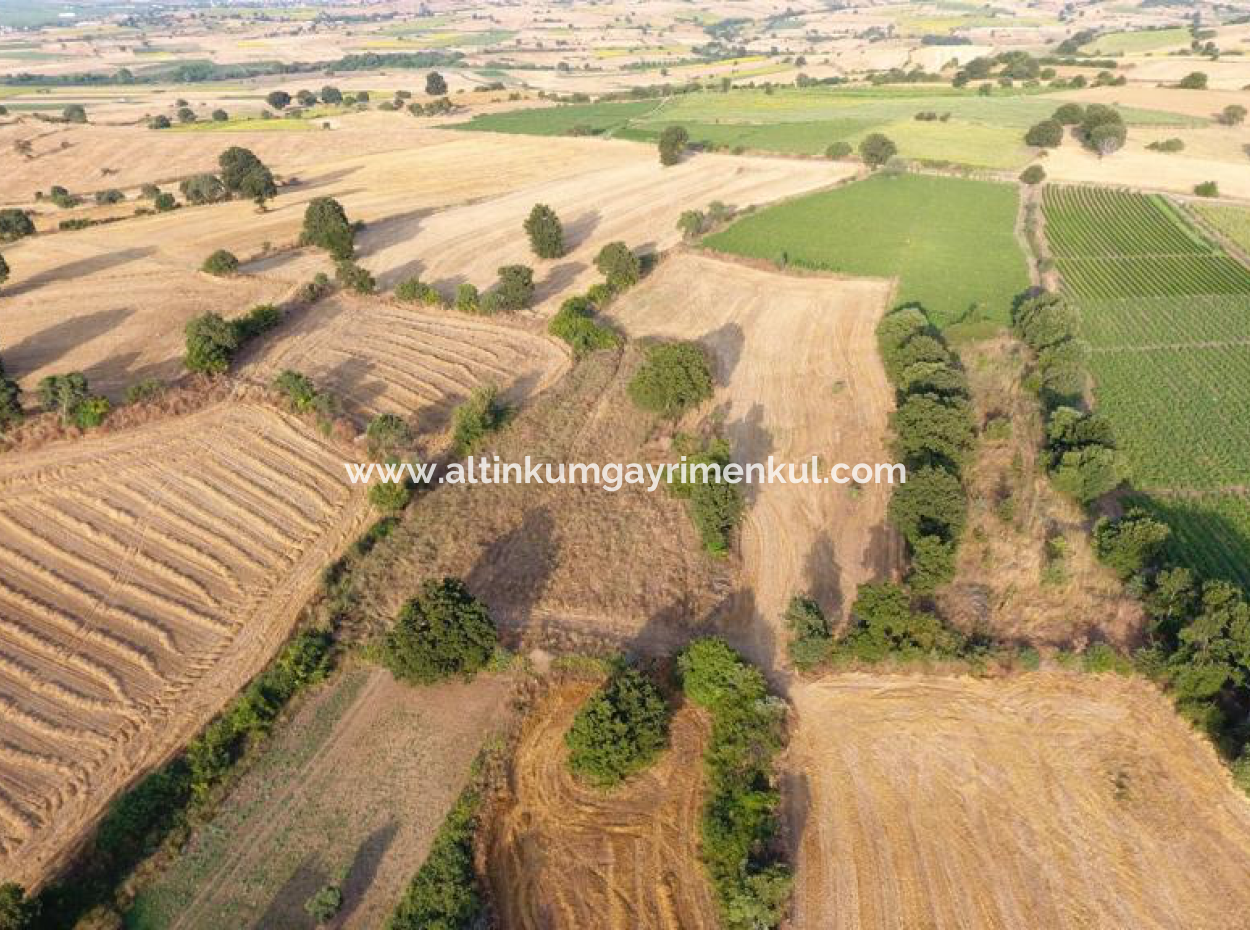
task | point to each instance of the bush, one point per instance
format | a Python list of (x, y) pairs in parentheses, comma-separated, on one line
[(514, 291), (388, 436), (876, 149), (1207, 189), (390, 496), (221, 263), (839, 150), (298, 390), (354, 277), (260, 319), (414, 290), (108, 197), (574, 324), (164, 202), (545, 233), (324, 904), (211, 344), (326, 226), (442, 632), (1232, 115), (10, 401), (315, 289), (672, 144), (1194, 80), (16, 911), (443, 895), (159, 122), (4, 270), (716, 506), (673, 378), (91, 412), (810, 634), (619, 731), (74, 113), (143, 391), (64, 394), (203, 188), (1034, 174), (1131, 544), (691, 223), (932, 564), (1069, 114), (467, 299), (220, 116), (619, 266), (1046, 134), (1167, 145), (476, 418), (15, 224), (435, 85), (884, 625)]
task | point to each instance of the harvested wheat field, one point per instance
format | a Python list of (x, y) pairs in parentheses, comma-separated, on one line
[(561, 855), (382, 357), (637, 202), (1048, 800), (352, 792), (1136, 166), (799, 376), (144, 577)]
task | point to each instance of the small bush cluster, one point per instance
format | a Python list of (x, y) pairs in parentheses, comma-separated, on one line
[(575, 324), (674, 377), (478, 417), (221, 263), (619, 731), (513, 291), (326, 226), (302, 396), (212, 342), (414, 290), (444, 893), (70, 397), (716, 506)]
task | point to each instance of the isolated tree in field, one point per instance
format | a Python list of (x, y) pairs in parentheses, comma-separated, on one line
[(74, 113), (306, 98), (186, 115), (1232, 115), (514, 290), (435, 84), (326, 226), (1069, 114), (1194, 80), (442, 632), (673, 142), (1034, 174), (690, 223), (203, 188), (244, 174), (220, 116), (221, 263), (64, 393), (17, 912), (14, 224), (619, 266), (545, 232), (876, 149), (1103, 129), (619, 731), (10, 400), (674, 377), (278, 99), (331, 95), (211, 344), (1047, 134)]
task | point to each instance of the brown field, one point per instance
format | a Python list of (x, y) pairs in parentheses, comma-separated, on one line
[(561, 855), (1136, 166), (146, 576), (1048, 800), (381, 357), (799, 377), (351, 792)]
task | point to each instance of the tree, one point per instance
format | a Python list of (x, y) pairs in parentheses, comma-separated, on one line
[(203, 188), (1207, 189), (64, 393), (109, 196), (186, 115), (674, 377), (1194, 80), (619, 266), (306, 98), (1069, 114), (673, 141), (810, 634), (1102, 128), (443, 631), (1232, 115), (331, 95), (1034, 174), (74, 113), (930, 503), (17, 912), (326, 225), (839, 150), (574, 324), (242, 172), (164, 202), (619, 731), (435, 84), (514, 290), (885, 625), (14, 224), (1046, 134), (10, 400), (545, 232), (324, 904), (1130, 544), (690, 223), (1087, 473), (160, 121), (220, 116), (278, 99), (211, 344), (221, 263), (476, 418), (930, 430), (4, 270), (387, 437), (876, 149), (932, 564), (468, 300), (259, 185)]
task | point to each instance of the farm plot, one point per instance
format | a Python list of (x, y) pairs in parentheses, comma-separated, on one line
[(1046, 800), (563, 855), (949, 241), (144, 576), (387, 358), (1166, 313), (1233, 222), (351, 792)]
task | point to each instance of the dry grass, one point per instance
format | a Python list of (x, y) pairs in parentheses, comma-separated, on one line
[(146, 576), (1048, 800)]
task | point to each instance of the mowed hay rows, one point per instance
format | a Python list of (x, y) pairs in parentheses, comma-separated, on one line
[(383, 357), (638, 203), (563, 855), (144, 576), (799, 376), (1048, 800)]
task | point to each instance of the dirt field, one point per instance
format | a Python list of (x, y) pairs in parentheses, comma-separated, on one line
[(1049, 800), (560, 855), (380, 357), (797, 363), (353, 793), (144, 576)]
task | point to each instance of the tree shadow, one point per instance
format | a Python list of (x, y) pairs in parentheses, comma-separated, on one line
[(49, 345), (726, 343), (557, 279), (80, 268), (512, 572), (579, 230), (751, 443), (364, 869), (822, 577), (286, 910)]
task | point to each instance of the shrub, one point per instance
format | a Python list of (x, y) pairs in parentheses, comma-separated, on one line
[(691, 223), (839, 150), (414, 290), (16, 911), (1167, 145), (186, 115), (1207, 189), (443, 895), (331, 95), (388, 436), (619, 266), (91, 412), (1194, 80), (574, 324), (15, 224), (435, 84), (884, 625), (164, 202), (619, 731), (1034, 174), (324, 904), (1046, 134), (673, 378), (63, 394), (10, 401), (278, 99), (476, 418), (221, 263), (1130, 544), (4, 270), (810, 634), (716, 506), (932, 563), (1069, 114), (315, 289), (74, 113), (108, 197), (467, 298), (442, 632), (143, 391), (326, 226), (876, 149), (159, 122), (203, 188), (545, 233), (354, 277), (220, 116), (672, 144), (1232, 115), (514, 289), (211, 344), (297, 388), (390, 496), (260, 319)]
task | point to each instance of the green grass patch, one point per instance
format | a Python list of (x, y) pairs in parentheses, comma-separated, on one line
[(247, 124), (1145, 40), (1233, 222), (949, 241), (561, 120)]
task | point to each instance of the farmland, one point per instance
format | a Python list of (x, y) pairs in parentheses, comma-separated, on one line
[(1046, 800), (1164, 311), (1233, 222), (147, 576), (950, 242)]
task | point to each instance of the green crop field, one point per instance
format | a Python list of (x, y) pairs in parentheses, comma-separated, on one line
[(1233, 222), (949, 241), (972, 129), (1145, 40), (1166, 313)]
